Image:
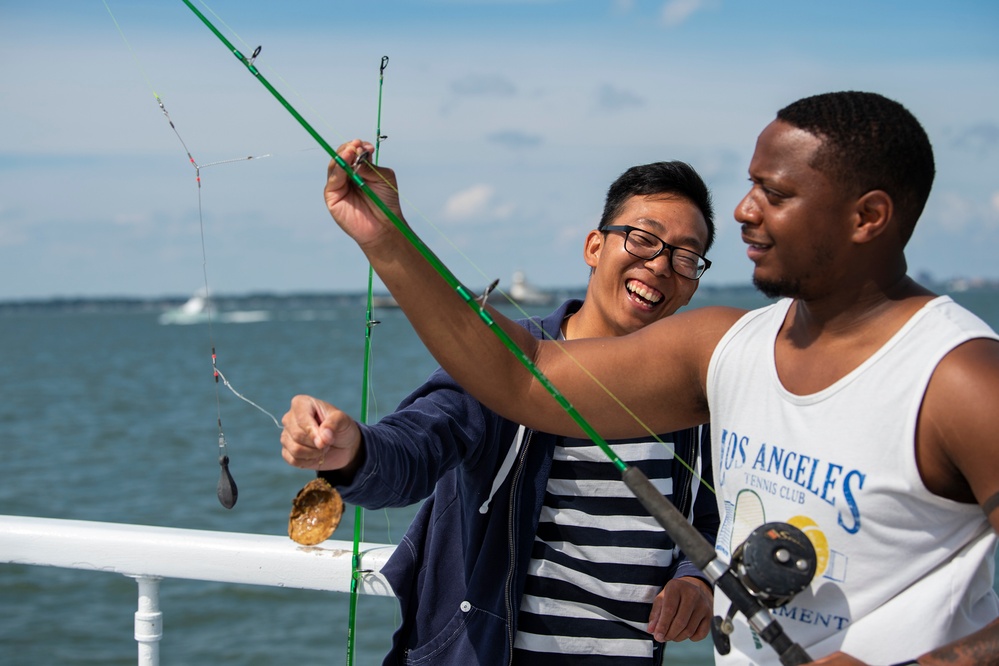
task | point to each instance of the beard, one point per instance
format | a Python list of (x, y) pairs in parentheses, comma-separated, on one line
[(778, 288), (795, 287)]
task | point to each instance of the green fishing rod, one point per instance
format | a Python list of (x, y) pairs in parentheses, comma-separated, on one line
[(697, 549), (369, 323), (417, 243)]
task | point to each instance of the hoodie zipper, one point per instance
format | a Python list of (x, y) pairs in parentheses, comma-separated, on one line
[(512, 552)]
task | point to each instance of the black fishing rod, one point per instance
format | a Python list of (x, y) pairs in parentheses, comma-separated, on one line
[(766, 571), (776, 562)]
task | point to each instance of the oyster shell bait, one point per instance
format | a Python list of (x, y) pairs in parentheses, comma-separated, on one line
[(315, 513)]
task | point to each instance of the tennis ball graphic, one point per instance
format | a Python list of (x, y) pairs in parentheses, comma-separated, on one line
[(818, 539)]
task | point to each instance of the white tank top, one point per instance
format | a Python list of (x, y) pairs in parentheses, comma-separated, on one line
[(900, 570)]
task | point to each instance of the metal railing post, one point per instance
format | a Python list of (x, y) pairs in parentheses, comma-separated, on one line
[(148, 620)]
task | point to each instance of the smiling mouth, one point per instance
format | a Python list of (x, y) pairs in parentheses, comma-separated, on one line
[(754, 244), (643, 292)]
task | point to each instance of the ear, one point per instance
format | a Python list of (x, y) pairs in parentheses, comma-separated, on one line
[(875, 214), (592, 247)]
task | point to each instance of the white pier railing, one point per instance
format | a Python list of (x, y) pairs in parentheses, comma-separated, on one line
[(150, 554)]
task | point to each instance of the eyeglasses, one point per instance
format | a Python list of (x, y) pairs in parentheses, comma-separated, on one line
[(642, 244)]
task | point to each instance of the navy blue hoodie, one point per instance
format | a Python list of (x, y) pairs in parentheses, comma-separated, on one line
[(459, 572)]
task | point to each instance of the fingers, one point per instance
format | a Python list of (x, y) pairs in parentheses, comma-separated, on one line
[(302, 444), (321, 411), (362, 212), (355, 153), (318, 436), (304, 458), (681, 611)]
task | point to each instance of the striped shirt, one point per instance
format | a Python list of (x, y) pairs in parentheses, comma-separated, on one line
[(598, 560)]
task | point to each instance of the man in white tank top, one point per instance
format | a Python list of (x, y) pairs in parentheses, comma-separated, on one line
[(861, 408)]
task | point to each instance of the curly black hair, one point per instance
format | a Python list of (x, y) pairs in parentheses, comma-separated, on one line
[(869, 143)]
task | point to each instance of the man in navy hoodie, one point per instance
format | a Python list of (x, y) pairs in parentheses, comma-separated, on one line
[(529, 549)]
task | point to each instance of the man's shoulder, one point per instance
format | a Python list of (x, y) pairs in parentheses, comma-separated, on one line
[(701, 328)]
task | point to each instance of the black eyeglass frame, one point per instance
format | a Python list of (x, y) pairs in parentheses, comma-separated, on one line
[(627, 229)]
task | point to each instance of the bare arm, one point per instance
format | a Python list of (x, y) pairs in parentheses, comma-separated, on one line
[(657, 373), (957, 452), (979, 649), (958, 459)]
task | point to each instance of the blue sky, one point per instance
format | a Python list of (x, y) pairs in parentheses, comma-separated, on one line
[(507, 120)]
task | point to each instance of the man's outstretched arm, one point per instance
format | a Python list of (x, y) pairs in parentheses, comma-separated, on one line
[(653, 378)]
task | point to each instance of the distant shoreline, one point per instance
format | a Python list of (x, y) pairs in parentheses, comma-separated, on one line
[(319, 300)]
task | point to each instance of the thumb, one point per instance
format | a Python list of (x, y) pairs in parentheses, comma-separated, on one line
[(657, 609), (334, 425)]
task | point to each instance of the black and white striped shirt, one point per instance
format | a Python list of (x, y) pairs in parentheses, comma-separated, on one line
[(598, 560)]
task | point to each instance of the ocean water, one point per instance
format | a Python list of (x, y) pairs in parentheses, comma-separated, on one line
[(110, 416)]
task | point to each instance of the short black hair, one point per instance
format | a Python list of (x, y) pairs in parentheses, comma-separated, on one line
[(869, 142), (674, 178)]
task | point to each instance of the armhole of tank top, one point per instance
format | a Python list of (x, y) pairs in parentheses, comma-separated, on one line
[(719, 351)]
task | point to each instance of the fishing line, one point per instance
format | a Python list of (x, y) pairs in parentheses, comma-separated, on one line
[(698, 550), (470, 299), (379, 137), (250, 64), (245, 399), (226, 489), (273, 72), (367, 393), (476, 302), (366, 378)]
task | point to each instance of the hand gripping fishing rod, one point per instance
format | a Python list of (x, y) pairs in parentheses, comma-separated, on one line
[(747, 593)]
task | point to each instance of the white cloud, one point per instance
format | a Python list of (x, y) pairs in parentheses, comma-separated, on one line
[(515, 139), (504, 211), (131, 219), (676, 12), (953, 212), (524, 107), (623, 6), (613, 98), (489, 85), (981, 138), (12, 236), (471, 202), (959, 213)]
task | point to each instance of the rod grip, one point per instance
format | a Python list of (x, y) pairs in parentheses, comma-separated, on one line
[(693, 544), (701, 553)]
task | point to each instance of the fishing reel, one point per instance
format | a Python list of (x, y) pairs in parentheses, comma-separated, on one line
[(773, 564)]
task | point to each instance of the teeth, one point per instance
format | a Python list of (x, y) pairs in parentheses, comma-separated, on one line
[(640, 289)]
